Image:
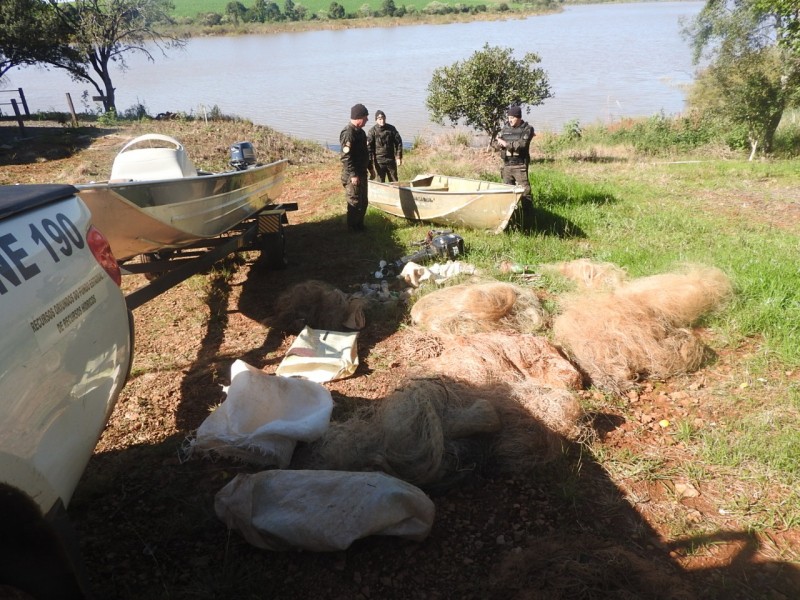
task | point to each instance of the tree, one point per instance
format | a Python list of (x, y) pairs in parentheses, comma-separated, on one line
[(748, 93), (236, 11), (288, 10), (388, 8), (787, 16), (336, 11), (479, 89), (30, 33), (272, 12), (753, 66), (102, 32), (258, 14)]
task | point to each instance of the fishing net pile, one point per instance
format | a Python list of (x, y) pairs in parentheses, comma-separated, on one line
[(318, 305), (641, 329), (434, 431), (503, 357), (588, 274), (489, 389), (480, 307)]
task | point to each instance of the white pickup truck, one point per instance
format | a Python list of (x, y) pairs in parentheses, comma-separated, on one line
[(65, 353)]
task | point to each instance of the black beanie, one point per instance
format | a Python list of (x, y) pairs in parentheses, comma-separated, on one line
[(515, 111), (379, 114), (359, 111)]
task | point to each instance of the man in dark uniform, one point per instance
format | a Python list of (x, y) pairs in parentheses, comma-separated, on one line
[(385, 144), (355, 165), (515, 142)]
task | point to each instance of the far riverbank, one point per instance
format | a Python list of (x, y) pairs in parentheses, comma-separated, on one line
[(230, 29)]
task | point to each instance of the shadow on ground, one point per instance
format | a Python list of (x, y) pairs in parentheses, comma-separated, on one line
[(44, 142), (564, 530)]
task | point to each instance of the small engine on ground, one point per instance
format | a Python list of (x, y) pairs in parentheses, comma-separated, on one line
[(447, 245), (243, 155)]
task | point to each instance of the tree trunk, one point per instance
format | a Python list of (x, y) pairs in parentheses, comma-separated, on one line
[(110, 102), (753, 148), (772, 127)]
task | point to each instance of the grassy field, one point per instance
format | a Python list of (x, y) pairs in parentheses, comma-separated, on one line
[(190, 8)]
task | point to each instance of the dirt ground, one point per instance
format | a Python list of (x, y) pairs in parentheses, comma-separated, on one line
[(572, 529)]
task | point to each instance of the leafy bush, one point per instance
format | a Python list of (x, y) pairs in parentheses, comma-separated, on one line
[(659, 134), (137, 112)]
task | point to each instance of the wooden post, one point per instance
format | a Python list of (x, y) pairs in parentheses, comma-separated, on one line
[(72, 111), (24, 102), (19, 116)]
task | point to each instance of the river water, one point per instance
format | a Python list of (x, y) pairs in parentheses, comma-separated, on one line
[(603, 61)]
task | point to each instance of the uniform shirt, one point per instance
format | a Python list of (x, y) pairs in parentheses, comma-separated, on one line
[(384, 142), (355, 156), (518, 138)]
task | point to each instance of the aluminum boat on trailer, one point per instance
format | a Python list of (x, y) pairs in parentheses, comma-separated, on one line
[(156, 200)]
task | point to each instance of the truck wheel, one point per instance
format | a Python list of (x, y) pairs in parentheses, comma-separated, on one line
[(37, 557)]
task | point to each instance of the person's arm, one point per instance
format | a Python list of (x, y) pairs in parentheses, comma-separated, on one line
[(346, 141), (398, 141), (371, 152)]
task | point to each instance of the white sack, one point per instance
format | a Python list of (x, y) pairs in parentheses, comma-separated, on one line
[(414, 274), (322, 510), (320, 355), (264, 417)]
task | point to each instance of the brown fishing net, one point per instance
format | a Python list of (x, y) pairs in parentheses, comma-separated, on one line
[(640, 330), (472, 308), (434, 430), (317, 305), (503, 357)]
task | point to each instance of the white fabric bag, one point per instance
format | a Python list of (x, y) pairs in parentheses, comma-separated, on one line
[(322, 510), (264, 417), (320, 355)]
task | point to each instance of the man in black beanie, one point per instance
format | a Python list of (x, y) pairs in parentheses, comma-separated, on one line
[(355, 165), (385, 148), (514, 142)]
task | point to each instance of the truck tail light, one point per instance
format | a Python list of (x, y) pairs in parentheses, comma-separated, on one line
[(102, 252)]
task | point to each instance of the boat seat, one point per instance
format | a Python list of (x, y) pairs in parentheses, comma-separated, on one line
[(431, 188), (152, 164)]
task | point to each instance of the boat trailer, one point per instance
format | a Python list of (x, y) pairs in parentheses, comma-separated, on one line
[(165, 269)]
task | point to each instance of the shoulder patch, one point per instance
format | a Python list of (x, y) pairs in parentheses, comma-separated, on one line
[(346, 148)]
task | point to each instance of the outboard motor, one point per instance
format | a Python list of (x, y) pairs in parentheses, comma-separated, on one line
[(243, 155)]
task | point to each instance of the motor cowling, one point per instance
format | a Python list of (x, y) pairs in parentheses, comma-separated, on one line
[(448, 245), (243, 155)]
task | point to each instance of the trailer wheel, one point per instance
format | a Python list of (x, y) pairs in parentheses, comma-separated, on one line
[(273, 250)]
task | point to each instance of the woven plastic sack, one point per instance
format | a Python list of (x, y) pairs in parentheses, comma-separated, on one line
[(322, 510), (264, 416), (321, 355)]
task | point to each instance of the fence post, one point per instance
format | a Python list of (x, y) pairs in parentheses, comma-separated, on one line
[(24, 102), (72, 111), (19, 116)]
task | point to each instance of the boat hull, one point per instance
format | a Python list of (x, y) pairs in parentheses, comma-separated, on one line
[(149, 216), (449, 201)]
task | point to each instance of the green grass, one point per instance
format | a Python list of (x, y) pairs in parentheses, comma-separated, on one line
[(650, 214)]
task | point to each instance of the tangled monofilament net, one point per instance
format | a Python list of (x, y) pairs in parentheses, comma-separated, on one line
[(640, 330), (314, 304), (472, 308), (432, 429)]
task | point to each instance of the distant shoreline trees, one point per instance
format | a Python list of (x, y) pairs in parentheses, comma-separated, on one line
[(267, 11)]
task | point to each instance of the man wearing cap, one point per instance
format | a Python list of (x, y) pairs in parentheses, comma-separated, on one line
[(514, 142), (355, 165), (384, 143)]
